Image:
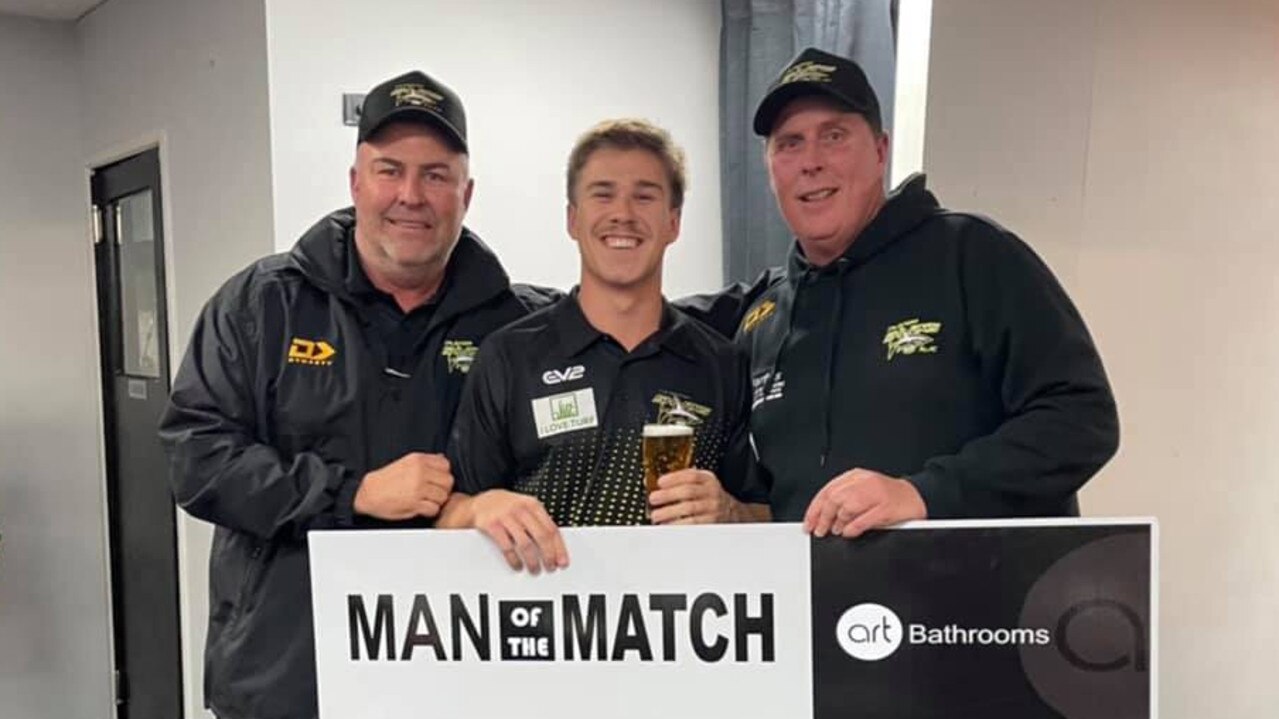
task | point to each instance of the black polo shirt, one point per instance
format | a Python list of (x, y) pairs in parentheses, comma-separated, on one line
[(403, 334), (555, 408)]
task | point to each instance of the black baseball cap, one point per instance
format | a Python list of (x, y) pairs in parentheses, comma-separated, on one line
[(415, 97), (814, 72)]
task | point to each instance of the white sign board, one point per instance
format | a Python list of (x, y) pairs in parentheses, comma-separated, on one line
[(710, 621)]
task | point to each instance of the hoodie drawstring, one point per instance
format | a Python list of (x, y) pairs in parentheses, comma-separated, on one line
[(832, 356)]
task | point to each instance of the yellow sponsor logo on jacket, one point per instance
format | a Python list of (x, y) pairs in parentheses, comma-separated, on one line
[(757, 315), (312, 352)]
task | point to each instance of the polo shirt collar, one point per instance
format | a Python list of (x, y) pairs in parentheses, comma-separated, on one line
[(576, 333)]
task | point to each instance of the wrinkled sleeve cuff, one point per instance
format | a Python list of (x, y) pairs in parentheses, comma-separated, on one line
[(344, 502)]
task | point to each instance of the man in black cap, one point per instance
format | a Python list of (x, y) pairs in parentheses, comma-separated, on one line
[(912, 362), (320, 385)]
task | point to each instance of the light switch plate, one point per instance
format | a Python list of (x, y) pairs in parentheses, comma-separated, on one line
[(351, 102)]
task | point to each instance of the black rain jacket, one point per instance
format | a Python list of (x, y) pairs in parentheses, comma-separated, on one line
[(281, 405)]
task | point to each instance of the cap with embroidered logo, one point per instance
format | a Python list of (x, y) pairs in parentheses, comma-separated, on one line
[(415, 97), (814, 72)]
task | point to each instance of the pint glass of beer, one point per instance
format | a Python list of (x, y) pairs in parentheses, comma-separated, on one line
[(667, 448)]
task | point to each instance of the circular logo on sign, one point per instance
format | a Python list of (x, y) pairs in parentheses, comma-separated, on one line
[(869, 632), (1096, 601)]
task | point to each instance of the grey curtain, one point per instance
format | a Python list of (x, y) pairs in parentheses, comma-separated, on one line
[(758, 37)]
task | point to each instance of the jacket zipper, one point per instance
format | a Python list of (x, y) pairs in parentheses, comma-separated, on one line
[(250, 577)]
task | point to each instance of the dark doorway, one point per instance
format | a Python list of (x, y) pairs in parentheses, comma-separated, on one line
[(133, 327)]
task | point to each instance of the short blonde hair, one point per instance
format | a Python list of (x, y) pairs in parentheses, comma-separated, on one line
[(630, 134)]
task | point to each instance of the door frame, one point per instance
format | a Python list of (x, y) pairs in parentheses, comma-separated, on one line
[(192, 655)]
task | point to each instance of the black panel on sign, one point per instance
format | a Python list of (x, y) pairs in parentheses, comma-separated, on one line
[(1016, 623)]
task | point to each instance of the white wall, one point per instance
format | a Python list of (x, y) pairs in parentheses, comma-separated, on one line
[(190, 74), (532, 75), (1133, 144), (54, 630)]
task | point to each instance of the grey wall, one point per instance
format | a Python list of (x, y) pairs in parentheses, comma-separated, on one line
[(54, 629), (190, 77), (192, 74), (1133, 144)]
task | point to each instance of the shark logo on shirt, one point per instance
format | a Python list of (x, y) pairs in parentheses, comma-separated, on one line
[(459, 354), (673, 408)]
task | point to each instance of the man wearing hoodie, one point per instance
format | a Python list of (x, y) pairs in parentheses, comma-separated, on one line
[(912, 362), (320, 385)]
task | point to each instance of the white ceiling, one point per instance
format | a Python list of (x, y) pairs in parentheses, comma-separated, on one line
[(49, 9)]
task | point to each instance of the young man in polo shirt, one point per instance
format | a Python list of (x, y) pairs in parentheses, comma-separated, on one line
[(548, 433)]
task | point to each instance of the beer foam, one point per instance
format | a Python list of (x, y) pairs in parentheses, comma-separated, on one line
[(667, 430)]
